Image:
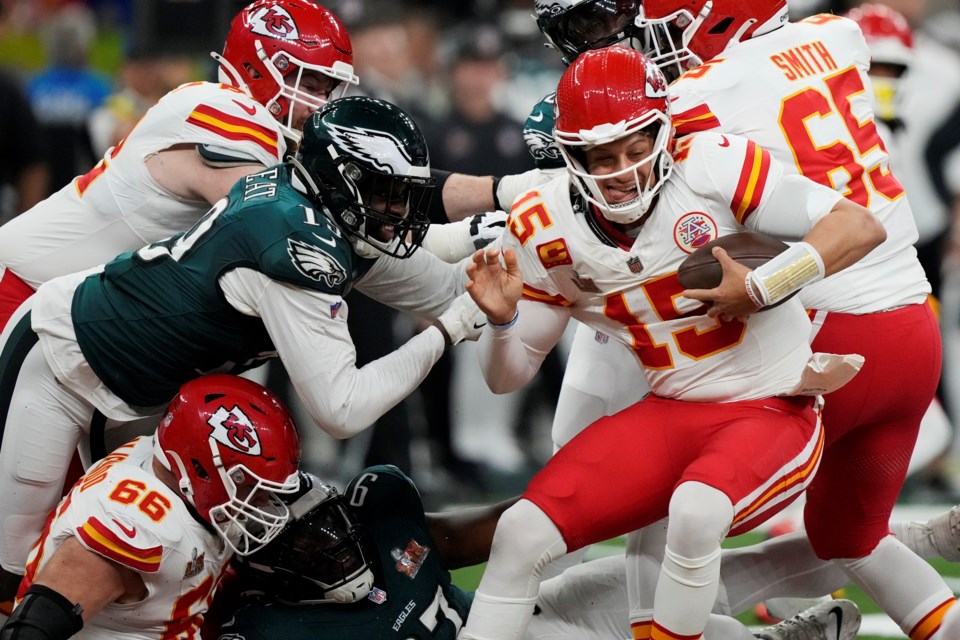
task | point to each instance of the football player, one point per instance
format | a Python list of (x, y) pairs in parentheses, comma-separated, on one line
[(137, 547), (800, 91), (375, 549), (262, 274), (595, 385), (281, 61), (730, 434)]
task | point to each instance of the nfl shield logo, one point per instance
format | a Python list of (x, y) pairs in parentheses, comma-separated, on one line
[(634, 264)]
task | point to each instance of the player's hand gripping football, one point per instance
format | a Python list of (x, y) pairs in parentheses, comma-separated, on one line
[(729, 299), (495, 286)]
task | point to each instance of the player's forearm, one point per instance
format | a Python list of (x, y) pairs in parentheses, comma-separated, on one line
[(505, 361), (464, 195), (344, 400), (422, 284), (845, 235), (511, 355)]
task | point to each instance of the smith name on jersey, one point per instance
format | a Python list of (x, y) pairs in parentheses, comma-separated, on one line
[(810, 78), (628, 288), (121, 511)]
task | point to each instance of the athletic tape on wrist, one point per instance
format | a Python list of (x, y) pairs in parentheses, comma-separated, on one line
[(793, 269)]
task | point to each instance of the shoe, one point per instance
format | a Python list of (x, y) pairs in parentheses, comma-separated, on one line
[(833, 620), (944, 531)]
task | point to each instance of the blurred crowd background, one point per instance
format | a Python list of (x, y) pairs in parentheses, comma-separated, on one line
[(76, 76)]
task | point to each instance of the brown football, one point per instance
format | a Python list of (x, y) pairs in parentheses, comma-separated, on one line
[(700, 270)]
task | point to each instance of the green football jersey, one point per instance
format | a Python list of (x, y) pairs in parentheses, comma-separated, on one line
[(413, 597), (156, 317)]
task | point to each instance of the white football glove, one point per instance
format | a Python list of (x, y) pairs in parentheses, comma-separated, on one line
[(462, 320), (454, 241), (487, 227), (509, 188)]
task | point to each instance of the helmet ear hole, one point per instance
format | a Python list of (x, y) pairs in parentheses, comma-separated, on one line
[(721, 27), (199, 470)]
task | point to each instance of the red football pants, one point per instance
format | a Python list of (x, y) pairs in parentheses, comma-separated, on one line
[(619, 473), (871, 425)]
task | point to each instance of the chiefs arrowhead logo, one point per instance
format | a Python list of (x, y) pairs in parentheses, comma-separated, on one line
[(315, 263), (656, 83), (274, 22), (232, 428)]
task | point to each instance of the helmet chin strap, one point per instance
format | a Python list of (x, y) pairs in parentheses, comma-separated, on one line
[(302, 181), (354, 590), (228, 74), (184, 483)]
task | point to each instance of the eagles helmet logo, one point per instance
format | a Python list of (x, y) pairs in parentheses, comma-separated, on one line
[(542, 146), (315, 263), (235, 430), (538, 134), (376, 148), (274, 22), (543, 9)]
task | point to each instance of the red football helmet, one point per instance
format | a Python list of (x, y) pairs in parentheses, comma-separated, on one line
[(683, 34), (609, 94), (890, 40), (232, 446), (887, 33), (272, 43)]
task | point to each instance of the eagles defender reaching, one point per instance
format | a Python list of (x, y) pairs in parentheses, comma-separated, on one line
[(262, 274)]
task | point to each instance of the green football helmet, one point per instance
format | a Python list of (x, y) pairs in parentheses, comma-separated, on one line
[(366, 164)]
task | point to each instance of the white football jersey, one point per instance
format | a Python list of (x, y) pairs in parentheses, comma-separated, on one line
[(118, 206), (121, 511), (802, 93), (629, 288)]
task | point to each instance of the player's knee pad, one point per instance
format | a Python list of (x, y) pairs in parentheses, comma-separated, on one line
[(700, 517), (43, 614), (526, 541)]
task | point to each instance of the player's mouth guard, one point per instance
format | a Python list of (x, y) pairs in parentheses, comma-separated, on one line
[(793, 269)]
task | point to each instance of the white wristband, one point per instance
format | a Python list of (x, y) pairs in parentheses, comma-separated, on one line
[(793, 269)]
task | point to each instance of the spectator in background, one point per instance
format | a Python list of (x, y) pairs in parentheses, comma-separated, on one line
[(66, 92), (477, 137), (24, 178), (144, 78)]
